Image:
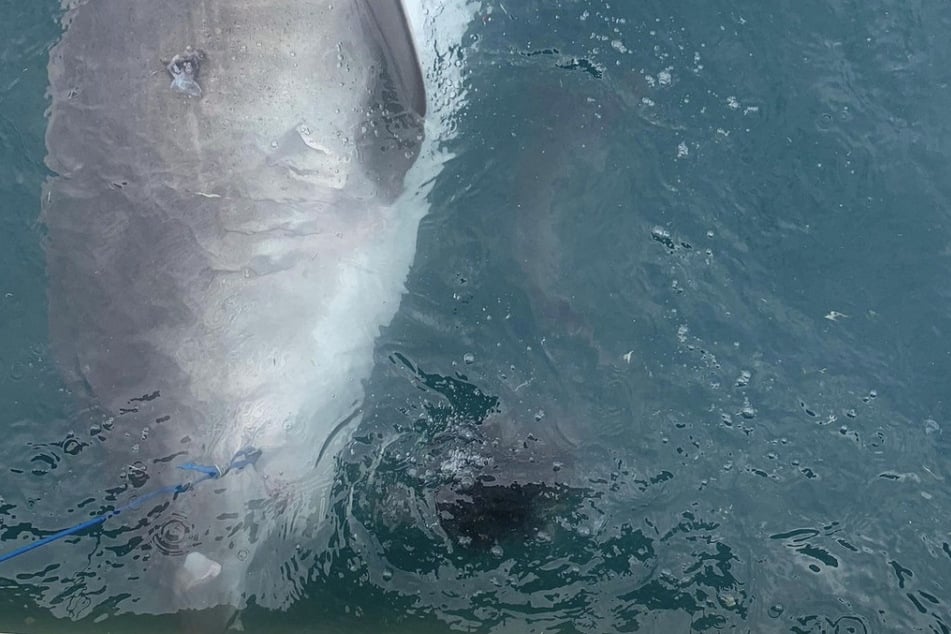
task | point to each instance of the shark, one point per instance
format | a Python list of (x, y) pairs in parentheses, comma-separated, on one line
[(229, 225)]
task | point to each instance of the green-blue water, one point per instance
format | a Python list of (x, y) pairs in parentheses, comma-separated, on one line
[(709, 243)]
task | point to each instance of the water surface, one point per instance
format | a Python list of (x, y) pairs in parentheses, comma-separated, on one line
[(693, 258)]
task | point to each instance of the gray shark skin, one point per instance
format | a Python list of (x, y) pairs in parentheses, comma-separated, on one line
[(227, 233)]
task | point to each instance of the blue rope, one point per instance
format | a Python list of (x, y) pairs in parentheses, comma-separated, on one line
[(244, 457)]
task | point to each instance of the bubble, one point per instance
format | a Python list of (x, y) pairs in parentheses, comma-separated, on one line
[(728, 600), (73, 446), (17, 371), (137, 473), (173, 537), (776, 610), (744, 379), (468, 358)]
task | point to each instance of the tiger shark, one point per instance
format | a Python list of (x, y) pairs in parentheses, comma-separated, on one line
[(229, 228)]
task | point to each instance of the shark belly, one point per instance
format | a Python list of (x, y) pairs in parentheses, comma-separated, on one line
[(228, 232)]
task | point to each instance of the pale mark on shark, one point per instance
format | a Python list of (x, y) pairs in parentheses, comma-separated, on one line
[(183, 68)]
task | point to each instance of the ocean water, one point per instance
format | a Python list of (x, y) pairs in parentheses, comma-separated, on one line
[(681, 305)]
